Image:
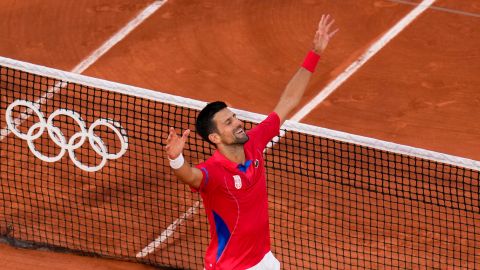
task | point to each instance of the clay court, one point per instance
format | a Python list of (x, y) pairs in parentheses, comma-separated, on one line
[(420, 89)]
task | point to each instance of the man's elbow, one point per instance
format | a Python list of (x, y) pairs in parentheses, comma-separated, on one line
[(289, 104), (186, 177)]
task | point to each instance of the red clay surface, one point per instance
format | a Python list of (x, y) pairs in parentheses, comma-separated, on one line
[(22, 259), (244, 54), (420, 90), (58, 33), (460, 6)]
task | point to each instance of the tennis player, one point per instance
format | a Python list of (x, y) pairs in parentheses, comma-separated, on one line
[(232, 182)]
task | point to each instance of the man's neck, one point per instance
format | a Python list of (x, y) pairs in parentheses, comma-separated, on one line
[(234, 153)]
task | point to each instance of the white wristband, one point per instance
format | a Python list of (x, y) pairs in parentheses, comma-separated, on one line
[(177, 163)]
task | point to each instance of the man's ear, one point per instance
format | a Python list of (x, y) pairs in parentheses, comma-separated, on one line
[(214, 138)]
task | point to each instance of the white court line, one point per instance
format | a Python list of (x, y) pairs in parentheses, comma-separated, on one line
[(88, 61), (150, 248), (449, 10), (289, 125), (117, 37), (376, 47), (171, 229)]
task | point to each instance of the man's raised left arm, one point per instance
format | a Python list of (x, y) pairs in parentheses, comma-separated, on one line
[(294, 90)]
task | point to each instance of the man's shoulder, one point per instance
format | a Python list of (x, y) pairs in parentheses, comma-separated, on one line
[(211, 171), (211, 164), (265, 130), (207, 162)]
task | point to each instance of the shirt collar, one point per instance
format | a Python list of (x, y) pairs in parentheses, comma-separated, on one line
[(244, 168), (232, 166)]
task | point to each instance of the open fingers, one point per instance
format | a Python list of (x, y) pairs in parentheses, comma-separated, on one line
[(329, 25), (333, 33), (185, 135), (326, 19), (324, 27), (324, 24), (172, 134)]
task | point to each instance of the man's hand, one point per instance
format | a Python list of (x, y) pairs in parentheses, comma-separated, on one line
[(175, 143), (323, 34), (187, 174)]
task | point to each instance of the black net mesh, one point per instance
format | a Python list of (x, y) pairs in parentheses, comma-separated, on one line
[(333, 204)]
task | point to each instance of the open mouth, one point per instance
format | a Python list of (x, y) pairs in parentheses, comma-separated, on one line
[(240, 131)]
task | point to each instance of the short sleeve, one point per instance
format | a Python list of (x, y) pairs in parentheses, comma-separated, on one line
[(203, 168), (264, 132)]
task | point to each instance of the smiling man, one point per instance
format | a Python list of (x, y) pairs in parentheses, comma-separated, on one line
[(232, 182)]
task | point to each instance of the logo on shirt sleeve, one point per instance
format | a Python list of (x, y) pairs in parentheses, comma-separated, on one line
[(256, 163), (238, 181)]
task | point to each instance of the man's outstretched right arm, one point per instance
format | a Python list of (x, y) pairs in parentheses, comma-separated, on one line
[(182, 169)]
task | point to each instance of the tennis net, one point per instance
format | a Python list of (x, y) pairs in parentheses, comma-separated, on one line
[(83, 170)]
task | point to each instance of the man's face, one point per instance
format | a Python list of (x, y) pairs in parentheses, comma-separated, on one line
[(230, 129)]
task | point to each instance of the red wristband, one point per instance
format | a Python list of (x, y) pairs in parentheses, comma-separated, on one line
[(311, 60)]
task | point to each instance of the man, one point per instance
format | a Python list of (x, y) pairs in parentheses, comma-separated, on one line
[(232, 181)]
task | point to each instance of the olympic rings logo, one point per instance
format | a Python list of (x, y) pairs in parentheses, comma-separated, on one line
[(75, 141)]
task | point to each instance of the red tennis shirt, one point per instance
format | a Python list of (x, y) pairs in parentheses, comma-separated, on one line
[(236, 202)]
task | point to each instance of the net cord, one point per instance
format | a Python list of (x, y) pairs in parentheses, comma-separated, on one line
[(245, 115)]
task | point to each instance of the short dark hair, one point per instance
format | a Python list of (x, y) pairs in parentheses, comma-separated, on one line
[(204, 124)]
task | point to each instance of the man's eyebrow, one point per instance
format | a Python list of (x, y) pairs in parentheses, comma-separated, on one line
[(229, 118)]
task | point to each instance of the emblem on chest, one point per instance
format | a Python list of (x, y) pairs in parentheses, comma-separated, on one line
[(238, 181)]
